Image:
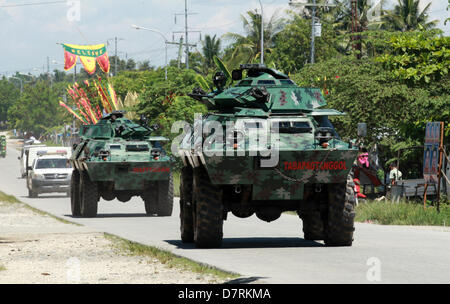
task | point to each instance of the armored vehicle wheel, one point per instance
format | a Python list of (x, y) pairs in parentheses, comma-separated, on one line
[(341, 214), (165, 197), (208, 222), (108, 196), (75, 193), (150, 198), (186, 211), (88, 196), (313, 229), (123, 197)]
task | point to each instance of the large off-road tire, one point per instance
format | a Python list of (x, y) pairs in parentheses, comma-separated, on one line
[(88, 196), (165, 197), (75, 203), (186, 204), (313, 228), (339, 227), (150, 198), (158, 198), (208, 222)]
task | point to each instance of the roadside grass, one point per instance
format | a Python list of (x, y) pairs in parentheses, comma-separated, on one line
[(2, 268), (176, 183), (10, 199), (402, 213), (167, 258)]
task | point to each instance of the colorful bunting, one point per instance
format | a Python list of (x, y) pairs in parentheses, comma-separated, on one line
[(88, 54)]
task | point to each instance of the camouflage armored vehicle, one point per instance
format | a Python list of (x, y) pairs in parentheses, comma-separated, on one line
[(266, 147), (117, 158), (3, 146)]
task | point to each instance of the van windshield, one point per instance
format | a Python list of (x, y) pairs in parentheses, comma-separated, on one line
[(57, 163)]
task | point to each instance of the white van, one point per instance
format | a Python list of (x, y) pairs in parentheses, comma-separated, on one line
[(48, 173), (23, 158), (35, 151)]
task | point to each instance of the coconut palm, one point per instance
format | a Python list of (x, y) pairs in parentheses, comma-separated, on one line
[(407, 16), (247, 48), (211, 48)]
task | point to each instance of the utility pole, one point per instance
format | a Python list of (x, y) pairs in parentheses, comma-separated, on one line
[(115, 55), (355, 29), (116, 40), (48, 72), (187, 33), (186, 30), (262, 32), (313, 22)]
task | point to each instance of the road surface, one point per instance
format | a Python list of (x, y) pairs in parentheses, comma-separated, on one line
[(266, 252)]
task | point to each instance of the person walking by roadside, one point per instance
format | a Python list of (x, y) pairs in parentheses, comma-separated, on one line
[(394, 174)]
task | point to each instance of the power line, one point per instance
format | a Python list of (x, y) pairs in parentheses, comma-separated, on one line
[(33, 4), (186, 30)]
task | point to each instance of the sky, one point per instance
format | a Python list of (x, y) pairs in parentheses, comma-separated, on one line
[(31, 33)]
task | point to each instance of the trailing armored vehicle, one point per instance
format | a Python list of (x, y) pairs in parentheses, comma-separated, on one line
[(266, 147), (117, 158), (3, 146)]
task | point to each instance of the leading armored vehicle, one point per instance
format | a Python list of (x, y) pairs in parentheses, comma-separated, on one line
[(266, 147), (117, 158)]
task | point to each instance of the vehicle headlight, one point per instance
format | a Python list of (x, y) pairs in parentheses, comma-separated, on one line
[(38, 176)]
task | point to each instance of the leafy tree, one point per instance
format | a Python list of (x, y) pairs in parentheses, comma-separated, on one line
[(418, 56), (247, 48), (37, 110), (406, 16), (211, 48), (131, 65), (145, 66), (9, 94), (293, 44), (164, 102)]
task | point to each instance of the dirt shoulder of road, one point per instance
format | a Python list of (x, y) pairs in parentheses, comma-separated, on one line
[(36, 248)]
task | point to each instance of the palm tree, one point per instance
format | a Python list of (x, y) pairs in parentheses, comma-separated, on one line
[(203, 61), (406, 16), (343, 16), (211, 48), (248, 48)]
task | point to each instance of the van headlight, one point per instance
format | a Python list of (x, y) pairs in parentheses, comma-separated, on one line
[(38, 176)]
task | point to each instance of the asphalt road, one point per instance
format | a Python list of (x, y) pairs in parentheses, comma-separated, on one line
[(267, 252)]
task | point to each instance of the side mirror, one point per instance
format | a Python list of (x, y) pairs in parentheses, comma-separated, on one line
[(29, 168), (362, 129)]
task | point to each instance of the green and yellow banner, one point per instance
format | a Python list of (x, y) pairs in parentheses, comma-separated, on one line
[(88, 54)]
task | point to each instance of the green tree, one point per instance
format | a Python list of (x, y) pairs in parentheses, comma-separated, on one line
[(9, 95), (247, 48), (211, 48), (37, 110), (407, 16), (293, 45), (164, 102)]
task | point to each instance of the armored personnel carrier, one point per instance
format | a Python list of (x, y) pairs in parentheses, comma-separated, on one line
[(117, 158), (266, 147), (3, 146)]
